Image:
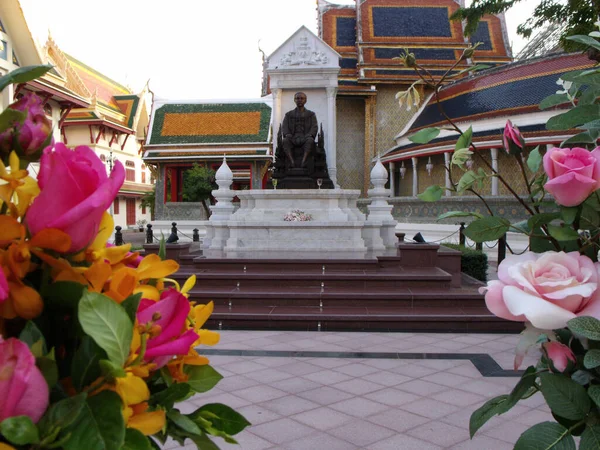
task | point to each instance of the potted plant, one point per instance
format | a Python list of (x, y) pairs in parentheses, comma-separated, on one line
[(140, 224)]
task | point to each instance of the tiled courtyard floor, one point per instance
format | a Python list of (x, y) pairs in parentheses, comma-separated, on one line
[(333, 403)]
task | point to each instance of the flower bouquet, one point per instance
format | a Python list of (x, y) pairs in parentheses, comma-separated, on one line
[(554, 288), (297, 216), (97, 344)]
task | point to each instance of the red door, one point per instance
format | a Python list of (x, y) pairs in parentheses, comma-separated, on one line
[(130, 207)]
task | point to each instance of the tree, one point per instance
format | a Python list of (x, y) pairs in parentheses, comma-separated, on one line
[(198, 183), (148, 201), (578, 17)]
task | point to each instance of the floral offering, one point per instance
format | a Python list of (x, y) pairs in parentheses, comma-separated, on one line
[(297, 216), (97, 343)]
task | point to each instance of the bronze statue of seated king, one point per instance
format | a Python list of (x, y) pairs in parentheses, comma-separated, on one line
[(300, 162)]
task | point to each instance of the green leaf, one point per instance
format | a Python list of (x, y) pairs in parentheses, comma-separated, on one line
[(111, 370), (495, 406), (222, 417), (32, 335), (19, 430), (183, 422), (202, 378), (553, 100), (131, 304), (203, 442), (563, 233), (573, 118), (100, 426), (587, 137), (107, 323), (589, 218), (49, 369), (424, 136), (565, 397), (581, 377), (63, 294), (9, 117), (546, 436), (589, 96), (450, 214), (588, 77), (521, 227), (85, 366), (171, 395), (23, 75), (590, 439), (568, 214), (591, 359), (586, 40), (487, 229), (135, 440), (541, 219), (467, 181), (162, 247), (61, 414), (534, 160), (594, 393), (464, 141), (585, 326), (431, 194)]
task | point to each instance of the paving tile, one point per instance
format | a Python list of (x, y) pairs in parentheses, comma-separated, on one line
[(236, 382), (482, 443), (268, 375), (330, 363), (452, 346), (327, 377), (358, 386), (392, 397), (323, 418), (242, 367), (533, 417), (459, 398), (246, 440), (468, 339), (318, 441), (361, 432), (398, 420), (439, 433), (386, 378), (359, 407), (272, 361), (289, 405), (484, 387), (282, 430), (226, 398), (467, 370), (429, 408), (508, 431), (295, 385), (421, 387), (441, 364), (356, 369), (413, 370), (460, 418), (384, 364), (299, 368), (447, 379), (325, 395), (257, 414), (261, 393), (403, 442)]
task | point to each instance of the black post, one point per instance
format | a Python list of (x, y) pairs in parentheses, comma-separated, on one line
[(502, 248), (196, 235), (118, 236), (461, 234), (174, 228), (149, 234), (173, 238), (479, 246)]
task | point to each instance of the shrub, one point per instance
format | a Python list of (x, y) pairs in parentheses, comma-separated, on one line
[(473, 262)]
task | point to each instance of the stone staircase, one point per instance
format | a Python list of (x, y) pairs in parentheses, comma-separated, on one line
[(420, 288)]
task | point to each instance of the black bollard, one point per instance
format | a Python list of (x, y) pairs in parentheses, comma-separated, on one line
[(479, 246), (196, 235), (502, 248), (461, 234), (118, 236), (173, 238), (149, 234)]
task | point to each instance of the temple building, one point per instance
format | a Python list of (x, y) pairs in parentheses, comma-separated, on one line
[(86, 108)]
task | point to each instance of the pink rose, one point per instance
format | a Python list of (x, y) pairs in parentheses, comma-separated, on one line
[(547, 289), (33, 132), (75, 192), (170, 314), (23, 389), (559, 354), (573, 174), (512, 139)]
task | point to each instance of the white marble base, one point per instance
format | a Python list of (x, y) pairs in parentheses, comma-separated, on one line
[(337, 225)]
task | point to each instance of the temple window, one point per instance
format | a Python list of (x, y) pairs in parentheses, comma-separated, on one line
[(130, 171)]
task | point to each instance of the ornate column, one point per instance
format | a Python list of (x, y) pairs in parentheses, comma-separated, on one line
[(447, 161), (392, 179), (332, 135), (369, 139), (277, 114), (415, 189), (494, 155)]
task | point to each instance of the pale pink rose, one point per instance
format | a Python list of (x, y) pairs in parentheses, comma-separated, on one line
[(573, 174), (512, 139), (75, 192), (23, 389), (559, 354), (547, 289)]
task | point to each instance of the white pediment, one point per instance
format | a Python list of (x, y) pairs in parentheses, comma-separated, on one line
[(303, 49)]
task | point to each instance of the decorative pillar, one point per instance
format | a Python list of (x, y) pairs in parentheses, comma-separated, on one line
[(331, 151), (415, 189), (224, 195), (369, 139), (277, 114), (447, 162), (494, 155), (392, 179)]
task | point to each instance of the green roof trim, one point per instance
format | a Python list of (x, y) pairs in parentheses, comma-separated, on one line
[(136, 101), (157, 138)]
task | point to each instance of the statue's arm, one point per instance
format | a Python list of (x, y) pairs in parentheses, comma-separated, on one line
[(314, 126), (285, 126)]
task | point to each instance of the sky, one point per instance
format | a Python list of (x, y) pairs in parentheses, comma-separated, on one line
[(188, 49)]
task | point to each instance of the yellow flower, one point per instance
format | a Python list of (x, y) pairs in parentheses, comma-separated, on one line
[(6, 447), (18, 182), (134, 393), (99, 251)]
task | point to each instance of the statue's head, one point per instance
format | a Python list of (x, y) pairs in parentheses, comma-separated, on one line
[(300, 99)]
